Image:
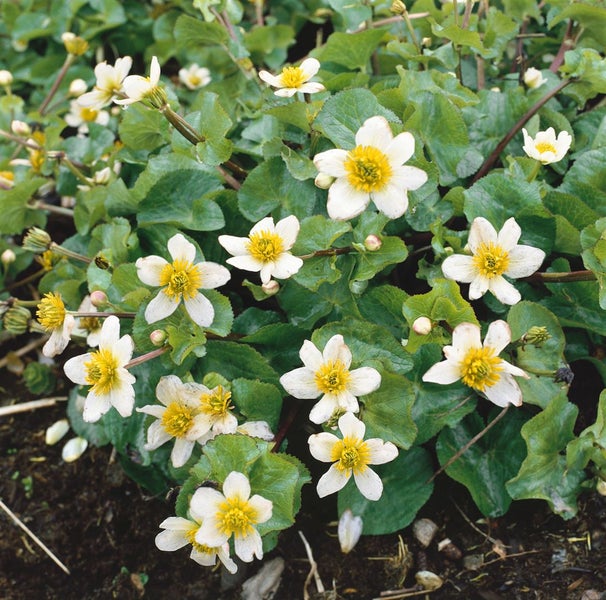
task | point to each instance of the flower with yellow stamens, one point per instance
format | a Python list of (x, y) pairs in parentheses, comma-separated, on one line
[(295, 79), (373, 170), (545, 147), (55, 319), (349, 456), (180, 280), (493, 256), (109, 83), (233, 512), (104, 370), (327, 374), (80, 116), (478, 364)]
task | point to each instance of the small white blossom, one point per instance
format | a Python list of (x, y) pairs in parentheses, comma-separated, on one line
[(233, 512), (295, 79), (478, 365), (327, 374), (533, 78), (6, 77), (77, 87), (266, 249), (194, 77), (137, 88), (493, 255), (80, 116), (109, 83), (57, 321), (180, 281), (351, 455), (373, 170), (104, 370), (545, 147)]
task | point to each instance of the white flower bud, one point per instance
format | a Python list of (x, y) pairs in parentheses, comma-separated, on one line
[(19, 45), (495, 89), (98, 298), (323, 181), (372, 243), (157, 337), (102, 176), (56, 431), (8, 257), (422, 326), (74, 449), (601, 487), (271, 288), (21, 128), (6, 77), (349, 531), (533, 78), (77, 87)]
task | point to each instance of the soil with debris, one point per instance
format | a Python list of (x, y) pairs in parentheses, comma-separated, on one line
[(101, 526)]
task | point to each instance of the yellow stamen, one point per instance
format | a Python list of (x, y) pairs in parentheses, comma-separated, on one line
[(350, 454), (480, 368), (368, 169), (177, 419), (101, 371), (332, 377), (88, 114), (90, 324), (491, 260), (51, 311), (217, 403), (236, 516), (293, 77), (190, 536), (265, 246), (181, 278), (543, 147)]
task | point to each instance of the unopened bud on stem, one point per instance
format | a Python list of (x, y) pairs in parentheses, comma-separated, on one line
[(422, 326), (372, 243), (98, 298), (158, 337)]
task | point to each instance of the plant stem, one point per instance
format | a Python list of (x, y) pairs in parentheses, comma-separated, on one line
[(489, 162), (69, 253), (69, 59), (564, 277), (121, 315), (328, 252), (145, 357), (59, 210)]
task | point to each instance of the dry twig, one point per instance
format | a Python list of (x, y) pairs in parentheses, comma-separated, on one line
[(313, 572), (32, 405)]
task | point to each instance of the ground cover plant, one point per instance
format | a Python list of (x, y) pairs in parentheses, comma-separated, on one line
[(379, 226)]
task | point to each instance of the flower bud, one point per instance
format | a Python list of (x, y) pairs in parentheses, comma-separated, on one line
[(7, 180), (536, 336), (372, 243), (74, 44), (21, 128), (398, 7), (426, 41), (6, 77), (422, 326), (8, 257), (533, 78), (157, 337), (601, 487), (98, 298), (271, 288), (19, 45), (323, 181), (74, 449), (17, 319), (102, 176), (36, 240), (77, 87), (56, 431), (349, 531)]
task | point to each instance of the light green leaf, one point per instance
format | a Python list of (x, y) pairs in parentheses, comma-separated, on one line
[(257, 401), (16, 215), (191, 33), (350, 50)]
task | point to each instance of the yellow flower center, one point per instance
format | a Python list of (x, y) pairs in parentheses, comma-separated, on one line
[(181, 278), (51, 311), (350, 454), (48, 259), (491, 260), (332, 377), (194, 79), (88, 114), (190, 536), (217, 403), (177, 419), (543, 147), (9, 175), (236, 516), (480, 368), (90, 324), (368, 169), (293, 77), (265, 246), (101, 371)]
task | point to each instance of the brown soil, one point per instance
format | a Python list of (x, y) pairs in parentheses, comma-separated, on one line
[(102, 526)]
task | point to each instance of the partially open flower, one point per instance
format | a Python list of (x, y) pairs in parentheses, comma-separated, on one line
[(109, 83), (138, 88), (545, 147), (295, 79), (533, 78), (194, 77)]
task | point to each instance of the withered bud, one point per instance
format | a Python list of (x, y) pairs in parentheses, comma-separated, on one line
[(536, 336), (398, 7), (17, 319), (37, 240)]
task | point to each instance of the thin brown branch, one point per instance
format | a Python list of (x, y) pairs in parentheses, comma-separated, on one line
[(28, 406)]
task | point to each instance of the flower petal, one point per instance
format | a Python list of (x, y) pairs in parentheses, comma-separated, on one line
[(272, 80), (524, 261), (300, 383), (364, 381), (332, 481), (459, 267), (401, 148), (149, 269), (444, 373), (323, 409), (509, 235), (310, 356), (392, 201), (213, 275), (181, 249), (236, 246), (75, 370), (375, 132), (498, 336), (288, 230), (481, 232), (309, 67), (286, 266), (369, 484), (478, 287), (505, 391), (160, 307), (170, 539), (344, 201), (246, 548), (350, 426), (504, 291), (181, 452), (381, 452), (200, 309), (331, 162), (336, 349)]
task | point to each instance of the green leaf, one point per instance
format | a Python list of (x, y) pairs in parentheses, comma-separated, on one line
[(143, 129), (16, 215), (585, 179), (257, 401), (192, 33), (544, 473), (593, 241), (591, 18), (405, 477), (392, 251), (493, 459), (319, 233), (184, 339), (352, 51), (295, 113), (383, 306)]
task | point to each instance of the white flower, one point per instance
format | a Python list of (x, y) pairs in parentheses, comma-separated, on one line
[(179, 532), (232, 512), (349, 530), (327, 374), (180, 417), (351, 455), (194, 77), (545, 147), (266, 249), (6, 77), (373, 170), (104, 370), (294, 79), (80, 116), (478, 365), (180, 280), (137, 88), (533, 78), (494, 255), (77, 87), (55, 319), (109, 83)]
